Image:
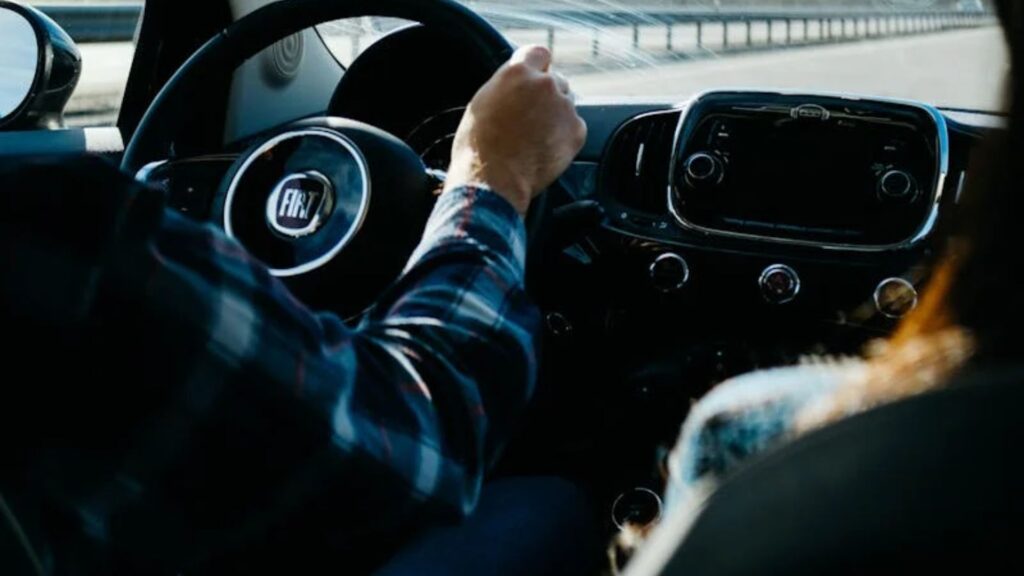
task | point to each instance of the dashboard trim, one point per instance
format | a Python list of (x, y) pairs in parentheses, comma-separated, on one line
[(923, 232)]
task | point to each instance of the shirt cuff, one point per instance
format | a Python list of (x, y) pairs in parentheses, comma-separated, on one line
[(476, 216)]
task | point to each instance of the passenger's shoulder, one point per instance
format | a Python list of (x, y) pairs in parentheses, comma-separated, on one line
[(747, 415), (794, 384)]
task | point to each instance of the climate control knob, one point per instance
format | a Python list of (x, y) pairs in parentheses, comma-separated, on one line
[(897, 185), (703, 169), (895, 298), (780, 284), (669, 273)]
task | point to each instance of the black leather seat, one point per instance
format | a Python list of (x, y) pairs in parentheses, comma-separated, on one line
[(934, 484)]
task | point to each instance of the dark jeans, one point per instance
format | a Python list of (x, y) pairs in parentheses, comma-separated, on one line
[(523, 526)]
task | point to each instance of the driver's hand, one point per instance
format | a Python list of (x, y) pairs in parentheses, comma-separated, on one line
[(521, 130)]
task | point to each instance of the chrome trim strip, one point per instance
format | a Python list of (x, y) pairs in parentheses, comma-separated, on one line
[(960, 186), (923, 232), (364, 205)]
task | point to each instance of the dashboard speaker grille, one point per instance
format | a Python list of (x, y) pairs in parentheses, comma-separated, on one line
[(638, 161)]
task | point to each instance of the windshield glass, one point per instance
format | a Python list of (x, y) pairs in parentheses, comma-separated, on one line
[(945, 52)]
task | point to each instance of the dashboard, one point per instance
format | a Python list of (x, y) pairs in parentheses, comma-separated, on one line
[(740, 230)]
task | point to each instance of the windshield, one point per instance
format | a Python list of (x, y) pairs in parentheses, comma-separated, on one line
[(945, 52)]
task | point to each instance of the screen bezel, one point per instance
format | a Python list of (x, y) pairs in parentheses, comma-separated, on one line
[(692, 114)]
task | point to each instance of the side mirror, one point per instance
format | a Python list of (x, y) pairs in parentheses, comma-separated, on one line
[(39, 68)]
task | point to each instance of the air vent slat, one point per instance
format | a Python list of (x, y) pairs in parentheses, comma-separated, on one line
[(637, 163)]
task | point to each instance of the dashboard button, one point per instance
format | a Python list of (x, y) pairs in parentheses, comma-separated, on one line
[(638, 508), (669, 272), (703, 169), (898, 185), (780, 284), (895, 298)]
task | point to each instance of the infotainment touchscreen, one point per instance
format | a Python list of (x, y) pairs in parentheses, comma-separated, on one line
[(807, 172)]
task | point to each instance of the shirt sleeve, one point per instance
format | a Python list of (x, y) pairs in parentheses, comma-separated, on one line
[(413, 404), (243, 419)]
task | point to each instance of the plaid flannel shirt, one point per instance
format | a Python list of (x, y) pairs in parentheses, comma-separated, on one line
[(214, 414)]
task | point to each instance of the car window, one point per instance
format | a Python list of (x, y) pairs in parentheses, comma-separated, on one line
[(946, 52), (348, 38)]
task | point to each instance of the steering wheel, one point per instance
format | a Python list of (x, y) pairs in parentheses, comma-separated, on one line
[(331, 205)]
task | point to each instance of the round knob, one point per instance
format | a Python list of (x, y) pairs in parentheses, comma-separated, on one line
[(780, 284), (669, 272), (559, 325), (638, 507), (898, 185), (895, 298), (703, 168)]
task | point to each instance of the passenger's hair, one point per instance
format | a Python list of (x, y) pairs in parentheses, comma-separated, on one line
[(972, 309)]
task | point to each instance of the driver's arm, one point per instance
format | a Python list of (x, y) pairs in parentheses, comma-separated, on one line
[(254, 414), (404, 415)]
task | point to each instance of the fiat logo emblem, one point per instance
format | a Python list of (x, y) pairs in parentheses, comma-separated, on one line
[(300, 204)]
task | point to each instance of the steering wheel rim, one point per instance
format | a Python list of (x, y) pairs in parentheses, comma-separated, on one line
[(245, 38), (156, 134)]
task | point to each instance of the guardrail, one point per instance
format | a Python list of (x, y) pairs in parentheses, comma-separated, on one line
[(783, 27), (117, 23)]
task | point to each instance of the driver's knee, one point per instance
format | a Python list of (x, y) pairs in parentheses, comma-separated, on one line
[(534, 526)]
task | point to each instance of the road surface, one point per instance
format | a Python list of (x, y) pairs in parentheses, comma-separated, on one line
[(961, 68)]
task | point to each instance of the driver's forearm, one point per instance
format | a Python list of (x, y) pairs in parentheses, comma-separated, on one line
[(418, 398), (443, 367), (462, 312)]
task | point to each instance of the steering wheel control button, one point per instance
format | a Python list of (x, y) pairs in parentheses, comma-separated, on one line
[(703, 169), (669, 273), (300, 204), (638, 508), (895, 298), (780, 284), (897, 185)]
